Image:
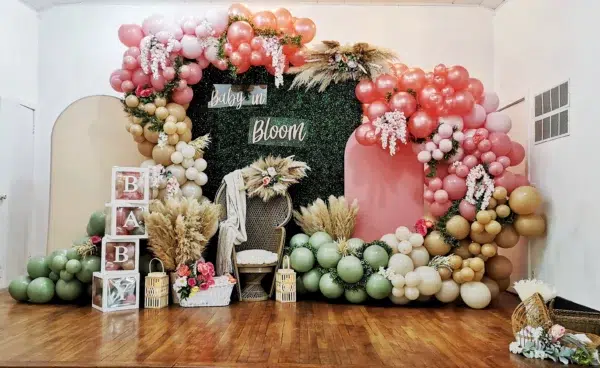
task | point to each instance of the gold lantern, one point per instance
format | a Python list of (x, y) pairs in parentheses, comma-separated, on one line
[(286, 283), (157, 287)]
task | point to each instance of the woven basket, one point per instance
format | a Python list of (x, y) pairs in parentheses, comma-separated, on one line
[(157, 288), (588, 322), (530, 312), (286, 282), (217, 295)]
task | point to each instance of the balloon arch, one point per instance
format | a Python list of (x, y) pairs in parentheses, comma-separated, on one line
[(447, 116)]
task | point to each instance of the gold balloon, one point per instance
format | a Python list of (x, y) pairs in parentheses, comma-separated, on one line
[(482, 257), (483, 217), (150, 135), (445, 273), (161, 112), (465, 263), (503, 284), (476, 227), (500, 193), (139, 139), (160, 102), (467, 274), (463, 250), (188, 122), (530, 225), (474, 248), (150, 108), (176, 110), (182, 127), (508, 237), (434, 242), (492, 214), (492, 204), (503, 211), (502, 201), (455, 261), (162, 155), (478, 275), (476, 264), (524, 200), (172, 139), (186, 137), (145, 148), (483, 237), (136, 130), (137, 120), (489, 250), (128, 127), (458, 227), (170, 128), (456, 276), (493, 227), (186, 106), (132, 101), (498, 267), (171, 119)]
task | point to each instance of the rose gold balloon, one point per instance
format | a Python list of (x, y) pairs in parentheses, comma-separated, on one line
[(421, 124), (365, 91), (385, 83), (236, 58), (377, 109), (256, 58), (264, 20), (440, 70), (298, 58), (305, 28), (439, 81), (256, 44), (403, 102), (365, 108), (458, 77), (447, 91), (240, 10), (239, 32), (463, 102), (221, 64), (430, 98), (284, 18), (429, 77), (244, 49), (413, 79), (365, 134), (475, 88), (243, 67)]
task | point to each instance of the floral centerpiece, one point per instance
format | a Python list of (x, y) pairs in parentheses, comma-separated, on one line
[(272, 176), (192, 278)]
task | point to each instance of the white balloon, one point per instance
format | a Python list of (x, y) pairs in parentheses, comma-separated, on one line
[(191, 190), (431, 281), (412, 279), (201, 178), (178, 172), (180, 146), (398, 281), (191, 173), (404, 247), (448, 292), (188, 152), (401, 264), (412, 293), (390, 239), (176, 157), (402, 233), (187, 162), (147, 164), (419, 256), (475, 294), (416, 240), (403, 300), (398, 292), (200, 164)]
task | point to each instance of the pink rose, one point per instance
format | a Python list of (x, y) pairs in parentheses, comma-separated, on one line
[(556, 332), (183, 271), (266, 180), (191, 282), (141, 92), (95, 239), (204, 286)]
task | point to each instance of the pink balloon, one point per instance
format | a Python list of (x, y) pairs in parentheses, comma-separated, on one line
[(488, 157), (403, 102), (116, 83), (127, 86), (236, 59), (366, 92), (244, 49), (305, 28), (183, 96), (182, 84), (228, 49), (470, 161), (484, 146), (462, 171), (184, 71), (202, 62), (454, 121), (154, 24), (430, 98), (211, 53), (475, 88), (195, 74), (463, 102), (385, 84), (421, 124), (506, 180), (413, 78), (130, 63), (439, 209), (133, 51), (239, 32), (501, 144), (504, 161), (264, 20), (435, 184), (256, 43), (516, 154), (189, 27), (218, 20), (243, 67), (521, 181), (130, 34), (139, 78), (191, 47), (365, 134), (169, 73), (475, 118), (377, 109), (477, 153), (467, 210), (469, 145), (498, 122), (495, 168), (240, 10), (298, 58), (440, 196), (158, 82), (440, 70), (455, 186), (428, 195), (447, 91), (458, 77), (256, 58), (221, 64), (490, 102)]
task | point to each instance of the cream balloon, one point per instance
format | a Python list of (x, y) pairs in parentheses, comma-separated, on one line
[(178, 172), (398, 281), (412, 293), (405, 247), (448, 292), (416, 240), (403, 300), (201, 178), (398, 292), (402, 233), (191, 190), (177, 157), (180, 146), (200, 164), (401, 264), (390, 239), (148, 164), (188, 151), (187, 162), (475, 294), (191, 173), (412, 279), (431, 281), (419, 256)]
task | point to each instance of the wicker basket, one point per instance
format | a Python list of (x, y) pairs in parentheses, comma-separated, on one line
[(157, 287), (588, 322), (217, 295), (530, 312), (286, 282)]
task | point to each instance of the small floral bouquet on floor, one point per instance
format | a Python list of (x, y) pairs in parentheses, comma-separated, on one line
[(193, 278), (555, 344)]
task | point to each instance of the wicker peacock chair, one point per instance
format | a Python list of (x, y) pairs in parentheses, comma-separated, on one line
[(265, 223)]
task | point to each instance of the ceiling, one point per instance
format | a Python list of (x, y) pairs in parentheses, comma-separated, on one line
[(491, 4)]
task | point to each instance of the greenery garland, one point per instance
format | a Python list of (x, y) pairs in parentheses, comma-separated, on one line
[(440, 225)]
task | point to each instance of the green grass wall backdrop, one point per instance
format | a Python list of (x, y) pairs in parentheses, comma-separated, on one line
[(333, 116)]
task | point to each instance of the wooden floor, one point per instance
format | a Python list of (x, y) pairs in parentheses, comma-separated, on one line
[(265, 334)]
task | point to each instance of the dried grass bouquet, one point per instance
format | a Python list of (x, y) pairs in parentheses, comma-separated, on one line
[(272, 176), (180, 228), (338, 219)]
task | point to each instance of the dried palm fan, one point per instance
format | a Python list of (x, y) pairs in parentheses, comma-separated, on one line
[(332, 63), (200, 144), (272, 176), (338, 219), (179, 229), (526, 288)]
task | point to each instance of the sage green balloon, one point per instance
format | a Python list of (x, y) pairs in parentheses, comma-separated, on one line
[(54, 276), (355, 243), (378, 287), (350, 269), (73, 266), (298, 240), (66, 275), (356, 296), (376, 256), (37, 267), (40, 290), (300, 289), (50, 257), (96, 224), (311, 280), (330, 288), (69, 290), (18, 288), (72, 254), (319, 238), (89, 265), (58, 263), (302, 259), (328, 255)]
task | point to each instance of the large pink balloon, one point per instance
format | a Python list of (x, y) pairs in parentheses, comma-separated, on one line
[(385, 84), (475, 118), (127, 86), (139, 78), (501, 144), (421, 124), (116, 83), (218, 20), (183, 96), (516, 154), (458, 77), (131, 34), (365, 91), (195, 74), (463, 102), (403, 102), (305, 28), (240, 10), (133, 51), (264, 20), (284, 18), (154, 24), (455, 186), (439, 209), (467, 210), (490, 102), (158, 82), (506, 180), (365, 134), (377, 109), (498, 122), (239, 32), (413, 79), (191, 47), (430, 98)]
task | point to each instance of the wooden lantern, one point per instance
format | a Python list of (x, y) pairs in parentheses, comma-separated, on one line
[(157, 288), (286, 283)]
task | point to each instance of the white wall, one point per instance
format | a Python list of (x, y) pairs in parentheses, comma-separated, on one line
[(538, 44), (80, 48), (19, 56)]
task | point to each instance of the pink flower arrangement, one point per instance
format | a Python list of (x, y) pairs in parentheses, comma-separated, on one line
[(266, 181), (95, 239), (556, 332), (140, 91), (423, 226), (191, 282), (183, 271), (197, 276)]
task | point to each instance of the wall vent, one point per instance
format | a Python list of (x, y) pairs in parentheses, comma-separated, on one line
[(552, 113)]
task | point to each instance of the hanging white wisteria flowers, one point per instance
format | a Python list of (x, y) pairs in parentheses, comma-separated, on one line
[(274, 48), (392, 127), (479, 186), (154, 54)]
